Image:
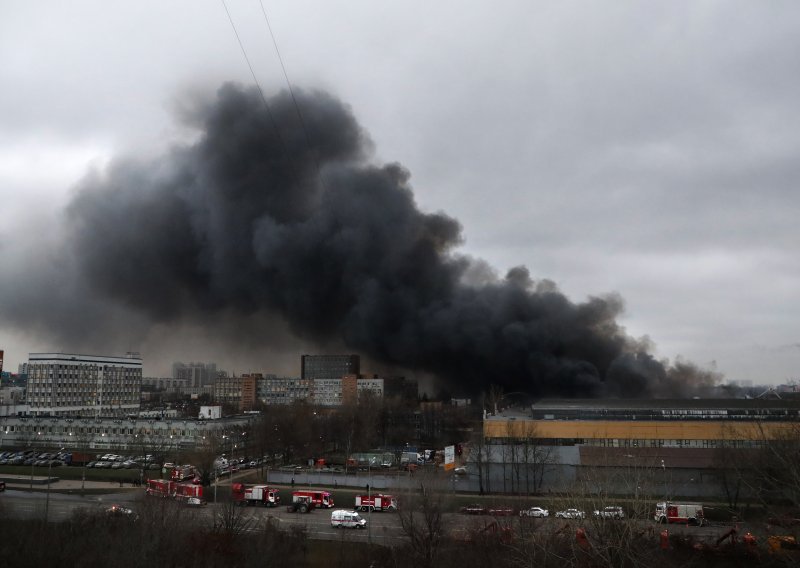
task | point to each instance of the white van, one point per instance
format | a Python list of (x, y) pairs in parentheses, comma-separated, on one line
[(342, 518)]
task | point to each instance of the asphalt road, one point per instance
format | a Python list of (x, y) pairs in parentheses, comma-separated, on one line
[(383, 528)]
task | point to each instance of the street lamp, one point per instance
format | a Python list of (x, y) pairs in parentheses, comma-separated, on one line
[(47, 500), (664, 468)]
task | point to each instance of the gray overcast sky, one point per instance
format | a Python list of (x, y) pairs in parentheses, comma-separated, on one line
[(649, 149)]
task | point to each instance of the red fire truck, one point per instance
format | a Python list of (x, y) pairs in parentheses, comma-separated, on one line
[(687, 513), (321, 499), (264, 495), (182, 472), (379, 502), (160, 487), (168, 488), (185, 491)]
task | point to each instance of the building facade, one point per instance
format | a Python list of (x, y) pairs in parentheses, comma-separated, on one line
[(196, 374), (674, 447), (228, 390), (64, 384), (326, 392), (158, 435), (282, 390), (329, 367)]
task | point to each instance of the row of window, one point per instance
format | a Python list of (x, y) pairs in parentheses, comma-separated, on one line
[(33, 429), (628, 443)]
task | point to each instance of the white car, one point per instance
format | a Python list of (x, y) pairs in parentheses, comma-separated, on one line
[(570, 514), (613, 512), (537, 512)]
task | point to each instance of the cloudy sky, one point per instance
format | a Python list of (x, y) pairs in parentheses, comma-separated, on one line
[(645, 149)]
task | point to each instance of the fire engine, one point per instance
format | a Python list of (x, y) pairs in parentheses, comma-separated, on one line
[(264, 495), (321, 499), (169, 488), (182, 472), (160, 487), (377, 502), (687, 513), (185, 491)]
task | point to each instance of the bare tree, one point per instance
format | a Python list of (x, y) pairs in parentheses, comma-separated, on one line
[(478, 453), (420, 516)]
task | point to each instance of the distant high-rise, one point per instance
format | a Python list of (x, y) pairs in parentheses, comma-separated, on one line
[(197, 374), (85, 385)]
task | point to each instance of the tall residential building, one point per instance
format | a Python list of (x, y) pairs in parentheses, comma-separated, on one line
[(64, 384), (329, 367), (197, 374)]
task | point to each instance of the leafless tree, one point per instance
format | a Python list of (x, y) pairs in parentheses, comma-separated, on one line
[(420, 515)]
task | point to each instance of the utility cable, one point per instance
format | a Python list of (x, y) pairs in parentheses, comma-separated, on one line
[(261, 92)]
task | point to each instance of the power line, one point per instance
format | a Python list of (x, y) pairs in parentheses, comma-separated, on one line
[(285, 75), (260, 91)]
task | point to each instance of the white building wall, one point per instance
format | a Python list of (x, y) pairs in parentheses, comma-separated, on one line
[(64, 384)]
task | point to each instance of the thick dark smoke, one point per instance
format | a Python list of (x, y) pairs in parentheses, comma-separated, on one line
[(263, 217)]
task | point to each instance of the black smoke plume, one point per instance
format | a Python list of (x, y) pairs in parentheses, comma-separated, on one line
[(274, 216)]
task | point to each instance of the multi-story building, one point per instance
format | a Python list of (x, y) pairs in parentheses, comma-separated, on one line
[(196, 374), (166, 383), (326, 392), (329, 366), (282, 390), (249, 383), (64, 384), (228, 390), (12, 401)]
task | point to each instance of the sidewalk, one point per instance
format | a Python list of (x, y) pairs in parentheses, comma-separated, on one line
[(39, 483)]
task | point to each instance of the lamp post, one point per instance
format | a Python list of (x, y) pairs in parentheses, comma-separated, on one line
[(369, 514), (664, 468), (47, 499)]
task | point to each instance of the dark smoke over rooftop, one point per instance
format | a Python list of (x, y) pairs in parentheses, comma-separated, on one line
[(302, 227)]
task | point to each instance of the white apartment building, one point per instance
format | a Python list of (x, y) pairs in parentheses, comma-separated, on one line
[(65, 384)]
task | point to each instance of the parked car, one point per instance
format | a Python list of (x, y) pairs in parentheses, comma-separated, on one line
[(500, 511), (473, 509), (570, 514), (537, 512), (612, 512)]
